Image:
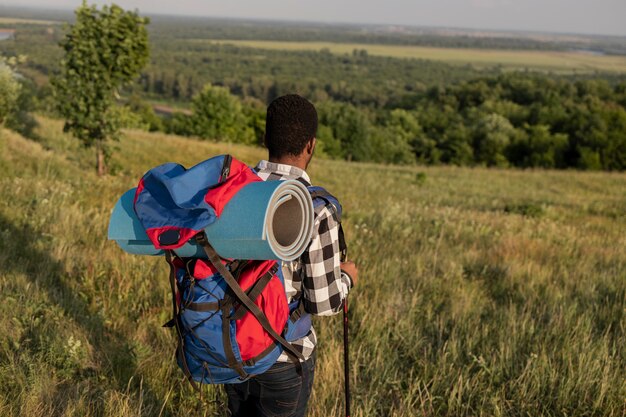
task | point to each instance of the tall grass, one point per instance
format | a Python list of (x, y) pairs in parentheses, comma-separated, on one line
[(482, 292)]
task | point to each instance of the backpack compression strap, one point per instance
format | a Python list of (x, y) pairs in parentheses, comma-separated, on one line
[(243, 297), (176, 322)]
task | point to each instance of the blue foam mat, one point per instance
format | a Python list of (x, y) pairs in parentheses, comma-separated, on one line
[(238, 233)]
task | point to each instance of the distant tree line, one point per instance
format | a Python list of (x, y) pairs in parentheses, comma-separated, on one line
[(511, 120), (180, 69), (523, 121)]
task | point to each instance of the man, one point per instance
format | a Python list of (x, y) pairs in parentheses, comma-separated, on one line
[(315, 279)]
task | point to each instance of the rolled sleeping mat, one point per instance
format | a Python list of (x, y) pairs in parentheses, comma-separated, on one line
[(264, 220)]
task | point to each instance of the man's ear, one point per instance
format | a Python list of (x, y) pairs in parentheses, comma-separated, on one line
[(310, 146)]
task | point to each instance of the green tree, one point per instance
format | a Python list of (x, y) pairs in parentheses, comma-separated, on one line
[(538, 148), (351, 127), (9, 92), (389, 147), (219, 115), (492, 135), (254, 111), (587, 131), (21, 119), (179, 124), (327, 144), (104, 49), (404, 139), (17, 94), (147, 114), (455, 146), (614, 155), (447, 139)]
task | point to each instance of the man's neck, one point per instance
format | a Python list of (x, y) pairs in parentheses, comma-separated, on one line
[(290, 160)]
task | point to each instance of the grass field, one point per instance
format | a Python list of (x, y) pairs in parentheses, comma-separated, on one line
[(482, 292), (540, 60)]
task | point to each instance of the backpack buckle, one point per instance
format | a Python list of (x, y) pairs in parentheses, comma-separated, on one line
[(201, 239)]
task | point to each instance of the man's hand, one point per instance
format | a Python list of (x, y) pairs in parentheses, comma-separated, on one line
[(352, 271)]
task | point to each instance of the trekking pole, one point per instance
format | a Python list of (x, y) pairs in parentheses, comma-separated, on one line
[(346, 357), (346, 351)]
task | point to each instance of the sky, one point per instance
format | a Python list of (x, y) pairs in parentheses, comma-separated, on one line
[(606, 17)]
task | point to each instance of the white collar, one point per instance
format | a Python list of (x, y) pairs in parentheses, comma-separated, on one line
[(284, 169)]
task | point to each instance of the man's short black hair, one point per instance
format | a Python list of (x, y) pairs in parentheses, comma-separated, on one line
[(291, 122)]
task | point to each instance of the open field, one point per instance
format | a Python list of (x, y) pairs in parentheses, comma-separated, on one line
[(540, 60), (19, 21), (482, 292)]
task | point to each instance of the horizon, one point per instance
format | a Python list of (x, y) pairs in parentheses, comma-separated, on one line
[(339, 19)]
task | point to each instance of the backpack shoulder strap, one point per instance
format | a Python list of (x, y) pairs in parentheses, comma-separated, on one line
[(328, 199), (335, 207)]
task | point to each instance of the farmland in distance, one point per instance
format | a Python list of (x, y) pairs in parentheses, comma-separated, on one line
[(555, 61)]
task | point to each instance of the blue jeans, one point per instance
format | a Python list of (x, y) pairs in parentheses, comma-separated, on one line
[(279, 392)]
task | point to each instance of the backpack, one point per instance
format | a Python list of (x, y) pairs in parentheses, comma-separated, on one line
[(231, 316)]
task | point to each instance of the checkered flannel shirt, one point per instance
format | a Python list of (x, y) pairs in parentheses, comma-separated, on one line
[(316, 277)]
